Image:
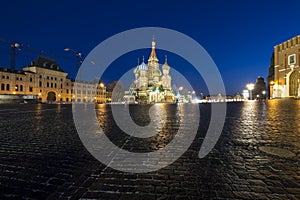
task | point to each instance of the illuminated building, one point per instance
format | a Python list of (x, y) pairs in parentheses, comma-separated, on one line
[(286, 69), (45, 81), (151, 84), (259, 90)]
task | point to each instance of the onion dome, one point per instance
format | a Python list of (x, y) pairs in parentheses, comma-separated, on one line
[(136, 70), (157, 73), (166, 66), (143, 66)]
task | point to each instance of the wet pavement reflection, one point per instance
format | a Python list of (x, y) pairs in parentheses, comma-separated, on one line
[(43, 157)]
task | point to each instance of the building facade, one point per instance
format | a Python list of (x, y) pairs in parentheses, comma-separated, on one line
[(286, 69), (270, 78), (151, 84), (45, 80), (259, 92)]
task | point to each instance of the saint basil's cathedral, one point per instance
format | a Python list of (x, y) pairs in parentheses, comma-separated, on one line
[(151, 85)]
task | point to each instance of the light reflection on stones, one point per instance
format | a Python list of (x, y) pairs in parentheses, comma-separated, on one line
[(55, 164)]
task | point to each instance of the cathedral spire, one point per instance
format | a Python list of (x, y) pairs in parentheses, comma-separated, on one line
[(153, 42), (166, 59), (153, 53)]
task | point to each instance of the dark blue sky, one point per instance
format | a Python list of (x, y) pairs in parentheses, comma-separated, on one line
[(239, 35)]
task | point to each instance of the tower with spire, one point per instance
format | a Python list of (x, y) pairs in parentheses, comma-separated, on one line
[(166, 78), (151, 84), (154, 72)]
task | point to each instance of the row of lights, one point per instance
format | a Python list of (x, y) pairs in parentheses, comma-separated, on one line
[(181, 88), (250, 87)]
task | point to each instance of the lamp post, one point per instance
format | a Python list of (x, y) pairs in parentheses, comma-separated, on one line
[(250, 87), (78, 59), (179, 96), (102, 93), (13, 47), (271, 89), (264, 94)]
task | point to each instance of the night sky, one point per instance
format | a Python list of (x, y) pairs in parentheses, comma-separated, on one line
[(238, 35)]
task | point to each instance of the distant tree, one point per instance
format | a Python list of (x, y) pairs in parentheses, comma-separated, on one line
[(110, 86), (117, 89)]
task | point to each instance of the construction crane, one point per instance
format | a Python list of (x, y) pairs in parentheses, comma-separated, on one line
[(26, 48), (13, 47)]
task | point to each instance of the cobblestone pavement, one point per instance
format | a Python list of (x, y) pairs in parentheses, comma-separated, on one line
[(42, 156)]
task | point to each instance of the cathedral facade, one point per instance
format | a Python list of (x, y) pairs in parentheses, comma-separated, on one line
[(152, 84)]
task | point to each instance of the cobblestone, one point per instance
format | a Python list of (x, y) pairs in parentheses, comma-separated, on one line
[(43, 157)]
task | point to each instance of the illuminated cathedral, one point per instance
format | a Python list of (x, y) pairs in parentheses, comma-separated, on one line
[(150, 84)]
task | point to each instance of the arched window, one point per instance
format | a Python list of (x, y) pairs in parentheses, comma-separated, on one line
[(7, 87)]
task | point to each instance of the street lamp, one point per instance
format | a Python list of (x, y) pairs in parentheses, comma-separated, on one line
[(78, 59), (102, 98), (264, 94), (178, 94), (13, 47), (250, 87), (271, 89)]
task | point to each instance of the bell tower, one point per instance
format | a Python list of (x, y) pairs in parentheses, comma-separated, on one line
[(153, 64)]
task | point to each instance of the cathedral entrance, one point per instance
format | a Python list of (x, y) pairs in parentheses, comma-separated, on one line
[(51, 97), (294, 84)]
